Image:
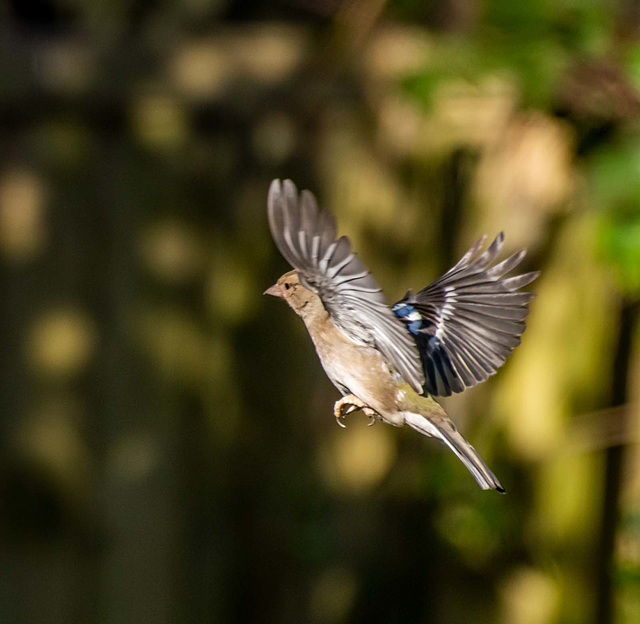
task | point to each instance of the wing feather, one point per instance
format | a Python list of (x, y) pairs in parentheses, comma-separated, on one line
[(470, 319)]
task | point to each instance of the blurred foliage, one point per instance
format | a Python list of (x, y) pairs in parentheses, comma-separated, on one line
[(619, 229), (169, 453)]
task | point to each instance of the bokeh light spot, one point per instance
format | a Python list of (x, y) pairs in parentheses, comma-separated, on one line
[(172, 251), (358, 457), (22, 199), (199, 69), (530, 597), (61, 342)]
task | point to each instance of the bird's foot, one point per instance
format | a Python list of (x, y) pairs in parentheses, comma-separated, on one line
[(351, 403)]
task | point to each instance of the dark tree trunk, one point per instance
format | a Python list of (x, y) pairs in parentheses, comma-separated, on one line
[(605, 563)]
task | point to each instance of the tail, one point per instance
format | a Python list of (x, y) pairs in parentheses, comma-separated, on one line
[(442, 428)]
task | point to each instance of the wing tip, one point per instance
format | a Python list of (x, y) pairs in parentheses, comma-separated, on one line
[(518, 256), (289, 184), (275, 191), (279, 188), (479, 243)]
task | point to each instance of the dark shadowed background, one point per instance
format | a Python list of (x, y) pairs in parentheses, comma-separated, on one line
[(168, 452)]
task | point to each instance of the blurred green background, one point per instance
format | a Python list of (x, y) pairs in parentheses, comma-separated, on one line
[(168, 450)]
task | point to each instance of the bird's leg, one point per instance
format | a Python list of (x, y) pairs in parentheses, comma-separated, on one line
[(351, 403)]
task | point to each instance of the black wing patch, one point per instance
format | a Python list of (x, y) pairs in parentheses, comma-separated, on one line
[(467, 322), (306, 237)]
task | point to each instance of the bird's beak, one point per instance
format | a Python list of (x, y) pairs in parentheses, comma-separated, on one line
[(274, 291)]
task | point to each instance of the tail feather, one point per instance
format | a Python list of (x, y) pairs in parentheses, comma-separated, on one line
[(442, 428)]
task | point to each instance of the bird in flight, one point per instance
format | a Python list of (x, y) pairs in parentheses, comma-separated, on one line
[(390, 361)]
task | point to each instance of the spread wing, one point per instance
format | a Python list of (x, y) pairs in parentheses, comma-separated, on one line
[(306, 237), (467, 322)]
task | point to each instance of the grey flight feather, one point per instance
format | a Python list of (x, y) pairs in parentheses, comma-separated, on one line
[(306, 237), (472, 318)]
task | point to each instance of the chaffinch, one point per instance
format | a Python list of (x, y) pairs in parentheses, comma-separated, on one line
[(390, 361)]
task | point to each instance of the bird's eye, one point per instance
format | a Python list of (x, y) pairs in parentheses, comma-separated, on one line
[(287, 286)]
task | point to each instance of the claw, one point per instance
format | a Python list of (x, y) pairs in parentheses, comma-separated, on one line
[(371, 414), (337, 412), (351, 403), (343, 412)]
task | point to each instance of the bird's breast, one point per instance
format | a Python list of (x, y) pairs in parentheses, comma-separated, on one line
[(355, 368)]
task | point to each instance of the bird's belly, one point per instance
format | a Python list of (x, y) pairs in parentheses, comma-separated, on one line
[(361, 371), (352, 379)]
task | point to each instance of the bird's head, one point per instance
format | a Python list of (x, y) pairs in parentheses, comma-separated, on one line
[(302, 301)]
